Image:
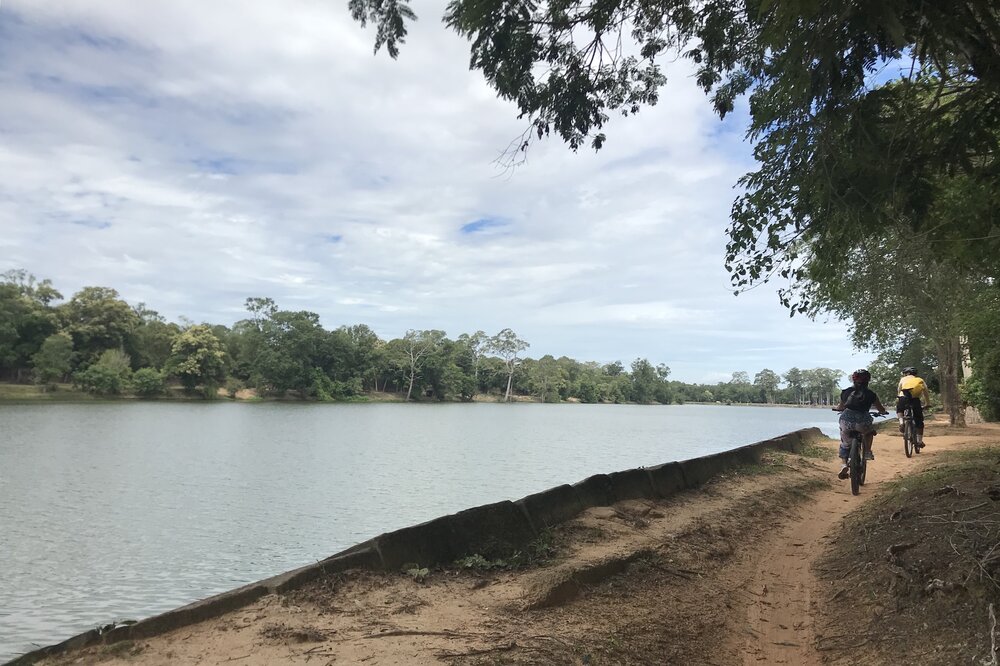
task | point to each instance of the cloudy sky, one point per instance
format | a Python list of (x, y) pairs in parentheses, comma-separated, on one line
[(191, 154)]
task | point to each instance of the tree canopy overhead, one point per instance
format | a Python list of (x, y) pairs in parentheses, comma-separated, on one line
[(568, 63)]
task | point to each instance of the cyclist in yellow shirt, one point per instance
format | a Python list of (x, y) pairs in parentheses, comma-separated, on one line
[(912, 391)]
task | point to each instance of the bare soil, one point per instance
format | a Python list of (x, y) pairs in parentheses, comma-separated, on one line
[(752, 568)]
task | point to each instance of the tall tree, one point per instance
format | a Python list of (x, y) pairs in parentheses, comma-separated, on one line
[(98, 320), (478, 345), (151, 341), (54, 360), (767, 382), (508, 347), (416, 347), (546, 378), (899, 289), (795, 380), (26, 320), (197, 359)]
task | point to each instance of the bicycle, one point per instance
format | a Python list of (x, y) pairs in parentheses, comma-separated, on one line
[(857, 465), (910, 443)]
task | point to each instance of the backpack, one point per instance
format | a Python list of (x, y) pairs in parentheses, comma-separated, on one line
[(856, 401)]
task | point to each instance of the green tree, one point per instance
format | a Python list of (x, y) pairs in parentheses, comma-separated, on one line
[(360, 357), (766, 381), (644, 381), (614, 369), (795, 380), (478, 346), (150, 343), (54, 360), (740, 388), (546, 378), (26, 320), (982, 326), (928, 296), (98, 320), (280, 351), (197, 359), (508, 347), (415, 347)]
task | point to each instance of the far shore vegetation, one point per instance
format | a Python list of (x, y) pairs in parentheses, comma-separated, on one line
[(95, 345)]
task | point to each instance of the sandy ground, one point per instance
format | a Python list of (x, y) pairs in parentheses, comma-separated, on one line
[(719, 575)]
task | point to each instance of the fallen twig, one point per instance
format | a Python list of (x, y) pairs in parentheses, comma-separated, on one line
[(970, 508), (417, 632), (993, 638), (472, 653)]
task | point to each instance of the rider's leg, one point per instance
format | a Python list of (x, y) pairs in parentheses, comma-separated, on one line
[(918, 421), (866, 445), (845, 450)]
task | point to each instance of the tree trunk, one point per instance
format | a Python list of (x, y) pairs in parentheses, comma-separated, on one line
[(510, 380), (949, 360), (409, 391)]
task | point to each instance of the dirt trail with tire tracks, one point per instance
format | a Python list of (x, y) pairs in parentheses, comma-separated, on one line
[(782, 618)]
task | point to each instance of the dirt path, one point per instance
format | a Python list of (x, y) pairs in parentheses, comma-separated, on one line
[(782, 619), (723, 574)]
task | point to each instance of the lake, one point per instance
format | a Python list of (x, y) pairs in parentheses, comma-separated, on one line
[(122, 510)]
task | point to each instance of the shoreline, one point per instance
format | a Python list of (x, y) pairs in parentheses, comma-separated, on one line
[(11, 393)]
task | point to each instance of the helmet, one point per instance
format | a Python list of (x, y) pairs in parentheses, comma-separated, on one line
[(861, 376), (909, 370)]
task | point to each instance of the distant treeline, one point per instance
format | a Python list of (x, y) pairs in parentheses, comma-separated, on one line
[(105, 346)]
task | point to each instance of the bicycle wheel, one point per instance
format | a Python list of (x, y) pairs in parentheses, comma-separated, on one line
[(855, 464), (864, 470), (908, 439)]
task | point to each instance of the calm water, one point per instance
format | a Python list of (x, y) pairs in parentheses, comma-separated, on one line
[(121, 510)]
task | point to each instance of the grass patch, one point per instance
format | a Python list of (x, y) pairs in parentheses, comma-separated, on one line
[(34, 392), (817, 451), (771, 462), (957, 465), (538, 551)]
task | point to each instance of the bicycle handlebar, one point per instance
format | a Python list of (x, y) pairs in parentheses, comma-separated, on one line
[(834, 409)]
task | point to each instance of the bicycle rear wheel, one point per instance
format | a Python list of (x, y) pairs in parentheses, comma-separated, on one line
[(855, 464), (909, 440), (864, 470)]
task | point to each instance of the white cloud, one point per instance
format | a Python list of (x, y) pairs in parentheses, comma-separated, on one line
[(192, 154)]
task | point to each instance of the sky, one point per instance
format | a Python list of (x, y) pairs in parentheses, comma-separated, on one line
[(192, 154)]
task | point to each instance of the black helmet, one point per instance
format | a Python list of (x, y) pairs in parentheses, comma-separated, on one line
[(909, 370), (861, 376)]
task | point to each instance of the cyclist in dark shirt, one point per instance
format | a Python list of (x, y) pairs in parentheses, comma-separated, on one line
[(855, 401)]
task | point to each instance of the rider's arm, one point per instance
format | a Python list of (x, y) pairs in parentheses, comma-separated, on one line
[(879, 407), (925, 395)]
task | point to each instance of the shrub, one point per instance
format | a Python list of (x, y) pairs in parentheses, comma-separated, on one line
[(110, 375), (148, 382)]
